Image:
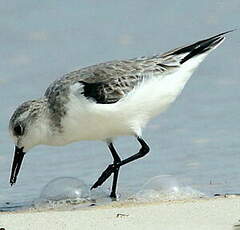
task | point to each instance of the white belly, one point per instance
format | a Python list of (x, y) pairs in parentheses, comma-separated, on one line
[(91, 121)]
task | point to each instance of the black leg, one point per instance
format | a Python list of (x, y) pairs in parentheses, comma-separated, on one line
[(116, 160), (113, 167)]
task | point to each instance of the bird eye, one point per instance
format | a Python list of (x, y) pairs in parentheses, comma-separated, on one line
[(18, 130)]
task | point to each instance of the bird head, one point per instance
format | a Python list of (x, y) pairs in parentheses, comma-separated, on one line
[(27, 131)]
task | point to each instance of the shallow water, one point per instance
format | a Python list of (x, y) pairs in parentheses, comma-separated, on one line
[(196, 140)]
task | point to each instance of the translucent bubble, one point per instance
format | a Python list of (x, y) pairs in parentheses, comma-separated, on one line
[(162, 183), (65, 188), (165, 187)]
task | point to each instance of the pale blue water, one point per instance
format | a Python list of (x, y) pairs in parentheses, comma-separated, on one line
[(196, 140)]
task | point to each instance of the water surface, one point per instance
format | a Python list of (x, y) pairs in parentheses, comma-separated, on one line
[(196, 140)]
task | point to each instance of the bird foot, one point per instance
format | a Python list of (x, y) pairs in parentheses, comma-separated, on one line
[(105, 175), (113, 196)]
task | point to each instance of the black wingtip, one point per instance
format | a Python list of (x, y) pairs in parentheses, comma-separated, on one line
[(229, 31), (226, 32), (202, 46)]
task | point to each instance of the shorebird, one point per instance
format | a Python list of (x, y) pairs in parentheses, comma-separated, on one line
[(104, 101)]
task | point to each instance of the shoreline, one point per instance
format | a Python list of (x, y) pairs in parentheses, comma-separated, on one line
[(219, 213)]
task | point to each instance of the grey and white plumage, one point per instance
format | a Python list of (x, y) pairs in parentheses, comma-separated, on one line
[(106, 100)]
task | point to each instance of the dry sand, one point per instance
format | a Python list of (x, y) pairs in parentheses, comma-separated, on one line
[(213, 214)]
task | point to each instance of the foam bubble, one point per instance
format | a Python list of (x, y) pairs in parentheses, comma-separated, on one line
[(65, 189), (165, 187)]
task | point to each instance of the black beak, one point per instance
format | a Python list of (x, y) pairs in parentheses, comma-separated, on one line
[(17, 161)]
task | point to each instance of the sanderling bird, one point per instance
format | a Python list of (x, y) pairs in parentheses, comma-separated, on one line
[(106, 100)]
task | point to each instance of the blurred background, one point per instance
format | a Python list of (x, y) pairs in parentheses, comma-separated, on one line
[(196, 140)]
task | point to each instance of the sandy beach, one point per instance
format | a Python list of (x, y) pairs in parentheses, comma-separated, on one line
[(213, 214)]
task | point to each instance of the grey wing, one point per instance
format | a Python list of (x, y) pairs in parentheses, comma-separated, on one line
[(109, 82)]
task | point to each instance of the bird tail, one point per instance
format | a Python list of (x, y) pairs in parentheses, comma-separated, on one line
[(183, 54)]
